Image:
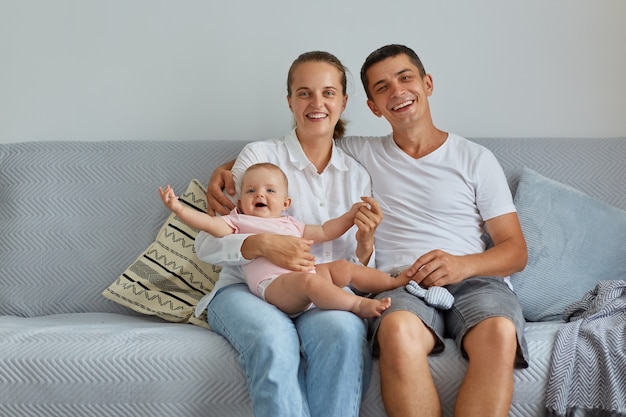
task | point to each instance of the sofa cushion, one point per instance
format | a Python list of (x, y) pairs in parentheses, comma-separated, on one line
[(574, 241), (167, 280)]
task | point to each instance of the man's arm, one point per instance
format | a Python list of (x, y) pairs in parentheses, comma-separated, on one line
[(508, 255), (220, 183)]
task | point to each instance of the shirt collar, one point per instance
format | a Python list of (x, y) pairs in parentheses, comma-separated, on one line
[(299, 159)]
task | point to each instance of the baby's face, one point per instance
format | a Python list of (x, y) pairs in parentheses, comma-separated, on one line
[(263, 193)]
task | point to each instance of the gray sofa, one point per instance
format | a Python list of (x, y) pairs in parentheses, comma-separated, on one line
[(74, 216)]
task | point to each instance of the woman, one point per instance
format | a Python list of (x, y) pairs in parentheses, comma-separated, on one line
[(318, 363)]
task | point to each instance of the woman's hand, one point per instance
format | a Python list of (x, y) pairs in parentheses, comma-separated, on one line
[(220, 183), (289, 252), (367, 220)]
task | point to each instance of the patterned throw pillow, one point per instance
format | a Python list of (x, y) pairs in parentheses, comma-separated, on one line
[(167, 280)]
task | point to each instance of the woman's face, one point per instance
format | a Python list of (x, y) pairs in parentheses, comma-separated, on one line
[(317, 98)]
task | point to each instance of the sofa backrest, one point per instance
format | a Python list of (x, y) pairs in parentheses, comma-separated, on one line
[(74, 215), (595, 166)]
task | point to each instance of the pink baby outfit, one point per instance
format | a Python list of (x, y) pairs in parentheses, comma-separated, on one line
[(260, 269)]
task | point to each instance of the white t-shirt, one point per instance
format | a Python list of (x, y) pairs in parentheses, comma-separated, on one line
[(315, 197), (439, 201)]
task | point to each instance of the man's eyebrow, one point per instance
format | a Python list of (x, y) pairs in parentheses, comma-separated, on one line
[(402, 71)]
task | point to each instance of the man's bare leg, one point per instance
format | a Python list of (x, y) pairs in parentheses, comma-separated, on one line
[(407, 385), (487, 389)]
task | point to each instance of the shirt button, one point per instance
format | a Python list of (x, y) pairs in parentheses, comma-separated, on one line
[(322, 204), (327, 254)]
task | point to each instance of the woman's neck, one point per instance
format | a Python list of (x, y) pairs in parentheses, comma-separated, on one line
[(318, 150)]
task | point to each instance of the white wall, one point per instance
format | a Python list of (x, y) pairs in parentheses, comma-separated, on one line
[(191, 69)]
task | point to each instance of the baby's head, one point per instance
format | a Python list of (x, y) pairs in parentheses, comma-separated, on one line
[(264, 191)]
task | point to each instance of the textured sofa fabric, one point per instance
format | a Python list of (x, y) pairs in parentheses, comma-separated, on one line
[(75, 215)]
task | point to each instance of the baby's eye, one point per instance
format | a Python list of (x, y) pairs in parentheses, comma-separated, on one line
[(271, 190), (250, 190)]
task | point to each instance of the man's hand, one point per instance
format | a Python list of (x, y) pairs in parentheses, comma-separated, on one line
[(289, 252), (220, 183), (437, 268)]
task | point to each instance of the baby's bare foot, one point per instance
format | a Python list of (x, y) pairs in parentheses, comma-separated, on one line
[(369, 307)]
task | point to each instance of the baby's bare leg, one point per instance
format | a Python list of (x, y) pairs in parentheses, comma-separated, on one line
[(363, 278), (295, 291)]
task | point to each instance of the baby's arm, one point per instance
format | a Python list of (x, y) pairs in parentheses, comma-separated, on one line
[(215, 226), (333, 228)]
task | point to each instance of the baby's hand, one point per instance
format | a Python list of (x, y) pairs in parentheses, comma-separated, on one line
[(356, 207), (170, 199)]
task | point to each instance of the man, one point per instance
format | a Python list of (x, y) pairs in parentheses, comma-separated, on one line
[(439, 193)]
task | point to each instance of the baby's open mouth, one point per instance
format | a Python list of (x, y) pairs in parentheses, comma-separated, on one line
[(260, 205)]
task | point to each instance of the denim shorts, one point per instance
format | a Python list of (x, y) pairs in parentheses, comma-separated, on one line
[(475, 299)]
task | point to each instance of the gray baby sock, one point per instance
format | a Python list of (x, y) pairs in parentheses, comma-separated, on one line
[(438, 297)]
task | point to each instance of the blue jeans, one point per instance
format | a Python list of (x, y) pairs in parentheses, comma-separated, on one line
[(317, 364)]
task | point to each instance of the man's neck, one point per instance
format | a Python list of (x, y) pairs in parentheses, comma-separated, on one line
[(419, 142)]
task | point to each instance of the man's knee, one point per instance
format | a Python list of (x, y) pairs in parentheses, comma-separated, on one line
[(496, 334), (403, 330)]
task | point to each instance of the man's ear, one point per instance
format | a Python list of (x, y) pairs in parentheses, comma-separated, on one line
[(428, 84), (374, 108)]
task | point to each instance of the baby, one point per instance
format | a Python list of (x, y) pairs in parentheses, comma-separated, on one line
[(264, 197)]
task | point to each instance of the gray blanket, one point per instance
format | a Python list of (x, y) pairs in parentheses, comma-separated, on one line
[(588, 366)]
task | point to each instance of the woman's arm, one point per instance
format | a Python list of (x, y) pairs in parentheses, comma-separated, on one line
[(289, 252), (367, 220)]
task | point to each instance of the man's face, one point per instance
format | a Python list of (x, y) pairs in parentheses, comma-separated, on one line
[(399, 93)]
